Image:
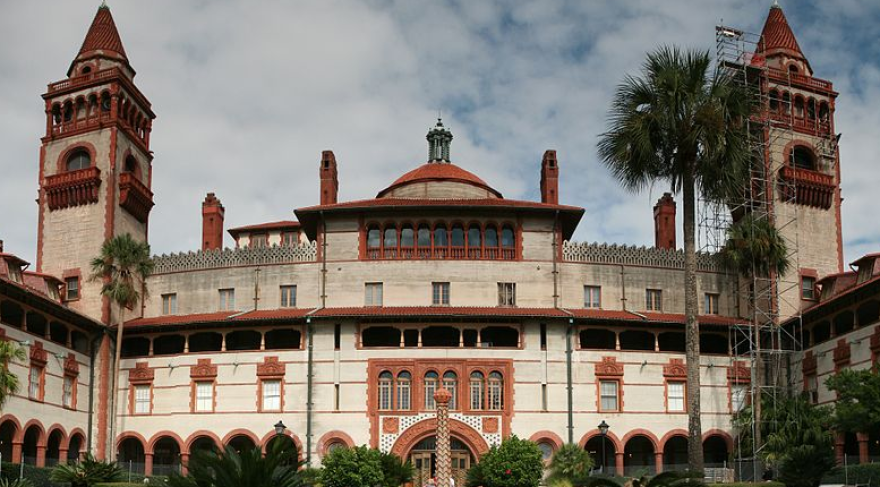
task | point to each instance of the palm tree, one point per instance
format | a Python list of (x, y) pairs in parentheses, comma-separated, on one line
[(677, 123), (248, 468), (86, 473), (123, 265), (9, 383)]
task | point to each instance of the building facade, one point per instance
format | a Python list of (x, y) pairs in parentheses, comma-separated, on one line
[(343, 323)]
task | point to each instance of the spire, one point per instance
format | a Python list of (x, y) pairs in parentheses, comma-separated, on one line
[(439, 139), (102, 40), (778, 37)]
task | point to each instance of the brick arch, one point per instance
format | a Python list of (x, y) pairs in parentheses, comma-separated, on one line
[(297, 443), (428, 427), (131, 434), (618, 446), (548, 437), (328, 437), (786, 152), (138, 173), (240, 432), (642, 432), (74, 432), (187, 446), (728, 440), (57, 427), (671, 434), (61, 163), (162, 434), (41, 440), (9, 417)]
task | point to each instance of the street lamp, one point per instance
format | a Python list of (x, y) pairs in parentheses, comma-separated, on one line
[(603, 430), (279, 428)]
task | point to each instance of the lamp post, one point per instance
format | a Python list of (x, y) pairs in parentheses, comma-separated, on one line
[(603, 430), (279, 428)]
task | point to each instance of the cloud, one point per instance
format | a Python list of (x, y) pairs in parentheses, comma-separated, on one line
[(248, 94)]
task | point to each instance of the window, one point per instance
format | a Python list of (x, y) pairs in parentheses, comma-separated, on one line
[(477, 391), (289, 239), (374, 238), (440, 296), (14, 273), (79, 160), (385, 388), (592, 297), (71, 285), (813, 389), (675, 396), (543, 336), (288, 296), (131, 166), (546, 451), (802, 158), (431, 379), (609, 398), (68, 392), (272, 395), (506, 294), (259, 240), (450, 383), (142, 399), (204, 396), (35, 383), (543, 397), (373, 294), (169, 304), (507, 240), (227, 299), (808, 287), (710, 304), (404, 381), (337, 336), (738, 395), (496, 391), (653, 300)]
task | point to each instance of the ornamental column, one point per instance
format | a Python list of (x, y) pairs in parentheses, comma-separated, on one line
[(862, 438), (444, 460)]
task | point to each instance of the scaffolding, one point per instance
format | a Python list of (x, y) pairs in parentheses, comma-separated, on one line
[(767, 299)]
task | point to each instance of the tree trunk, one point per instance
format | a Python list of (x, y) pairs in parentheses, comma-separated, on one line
[(114, 407), (692, 327)]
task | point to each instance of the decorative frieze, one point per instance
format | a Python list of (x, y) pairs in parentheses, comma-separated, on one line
[(596, 253), (211, 259)]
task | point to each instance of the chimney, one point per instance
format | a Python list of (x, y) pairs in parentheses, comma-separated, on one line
[(664, 222), (550, 178), (329, 180), (212, 223)]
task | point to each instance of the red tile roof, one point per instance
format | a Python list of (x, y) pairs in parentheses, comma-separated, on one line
[(102, 36), (180, 319), (438, 171), (650, 317), (280, 225), (778, 37), (14, 258), (438, 311)]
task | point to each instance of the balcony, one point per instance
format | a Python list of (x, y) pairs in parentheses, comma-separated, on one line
[(73, 188), (800, 80), (806, 187), (135, 197), (77, 81)]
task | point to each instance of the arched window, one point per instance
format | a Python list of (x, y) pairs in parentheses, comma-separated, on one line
[(390, 243), (441, 241), (823, 111), (475, 241), (774, 101), (431, 379), (786, 103), (78, 160), (507, 238), (404, 379), (457, 236), (374, 242), (477, 387), (811, 109), (793, 69), (496, 391), (799, 107), (450, 383), (105, 102), (385, 385), (407, 240), (803, 158), (68, 112), (491, 243), (424, 237), (131, 166)]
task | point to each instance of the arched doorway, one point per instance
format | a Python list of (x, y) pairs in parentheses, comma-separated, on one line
[(203, 443), (7, 434), (29, 448), (715, 453), (603, 452), (241, 443), (287, 445), (166, 456), (675, 453), (131, 455), (638, 457), (423, 457), (74, 447), (53, 448)]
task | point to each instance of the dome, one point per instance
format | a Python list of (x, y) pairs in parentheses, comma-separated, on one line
[(441, 180)]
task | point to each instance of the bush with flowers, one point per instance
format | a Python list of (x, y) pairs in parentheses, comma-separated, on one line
[(515, 463)]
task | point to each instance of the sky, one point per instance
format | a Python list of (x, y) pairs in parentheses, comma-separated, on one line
[(248, 94)]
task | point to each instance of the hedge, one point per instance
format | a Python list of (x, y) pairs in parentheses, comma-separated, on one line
[(122, 484), (37, 475), (749, 484), (855, 474)]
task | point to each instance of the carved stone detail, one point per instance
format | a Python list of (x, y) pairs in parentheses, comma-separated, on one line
[(390, 426), (71, 366), (739, 372), (38, 354), (809, 364), (271, 367), (675, 368), (490, 425), (609, 367), (141, 374), (596, 253), (203, 369), (210, 259), (842, 353)]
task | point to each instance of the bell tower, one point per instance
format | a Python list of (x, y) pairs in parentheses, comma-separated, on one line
[(802, 161), (95, 164)]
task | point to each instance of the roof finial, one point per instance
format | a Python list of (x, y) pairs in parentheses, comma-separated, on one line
[(103, 4), (439, 140), (775, 4)]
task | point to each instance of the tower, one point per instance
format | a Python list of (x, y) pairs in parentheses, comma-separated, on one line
[(802, 163), (664, 222), (329, 178), (95, 163), (213, 214), (550, 178)]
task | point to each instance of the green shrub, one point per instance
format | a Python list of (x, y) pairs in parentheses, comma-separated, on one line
[(16, 483), (749, 484), (122, 484), (39, 477), (571, 463), (349, 467), (515, 463), (867, 473)]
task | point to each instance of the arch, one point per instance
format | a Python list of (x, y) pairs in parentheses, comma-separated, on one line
[(428, 427), (31, 423), (297, 443), (73, 433), (57, 427), (712, 440), (675, 452), (76, 445), (61, 163), (158, 436), (241, 432), (603, 451), (547, 436), (131, 165), (9, 431), (639, 454), (166, 450), (330, 437), (594, 433), (33, 438), (642, 432), (671, 434), (805, 151), (131, 450), (187, 445)]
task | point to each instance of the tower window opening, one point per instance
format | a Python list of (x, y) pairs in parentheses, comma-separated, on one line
[(792, 69), (105, 102), (803, 158), (78, 160), (87, 70)]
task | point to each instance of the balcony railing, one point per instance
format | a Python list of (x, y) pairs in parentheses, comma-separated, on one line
[(84, 79), (73, 188), (799, 79), (442, 253), (806, 187), (136, 198)]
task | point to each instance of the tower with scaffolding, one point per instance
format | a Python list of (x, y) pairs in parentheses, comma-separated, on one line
[(794, 186)]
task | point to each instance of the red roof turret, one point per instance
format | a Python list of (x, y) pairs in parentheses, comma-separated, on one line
[(778, 38), (102, 40)]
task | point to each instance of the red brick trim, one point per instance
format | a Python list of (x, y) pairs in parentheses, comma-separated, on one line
[(149, 447), (661, 445), (842, 354), (331, 437), (642, 432), (675, 369), (187, 445), (618, 446), (728, 440), (61, 162), (547, 436), (609, 368), (297, 443), (739, 373), (130, 434), (240, 432), (203, 370), (141, 374), (428, 427), (271, 368)]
